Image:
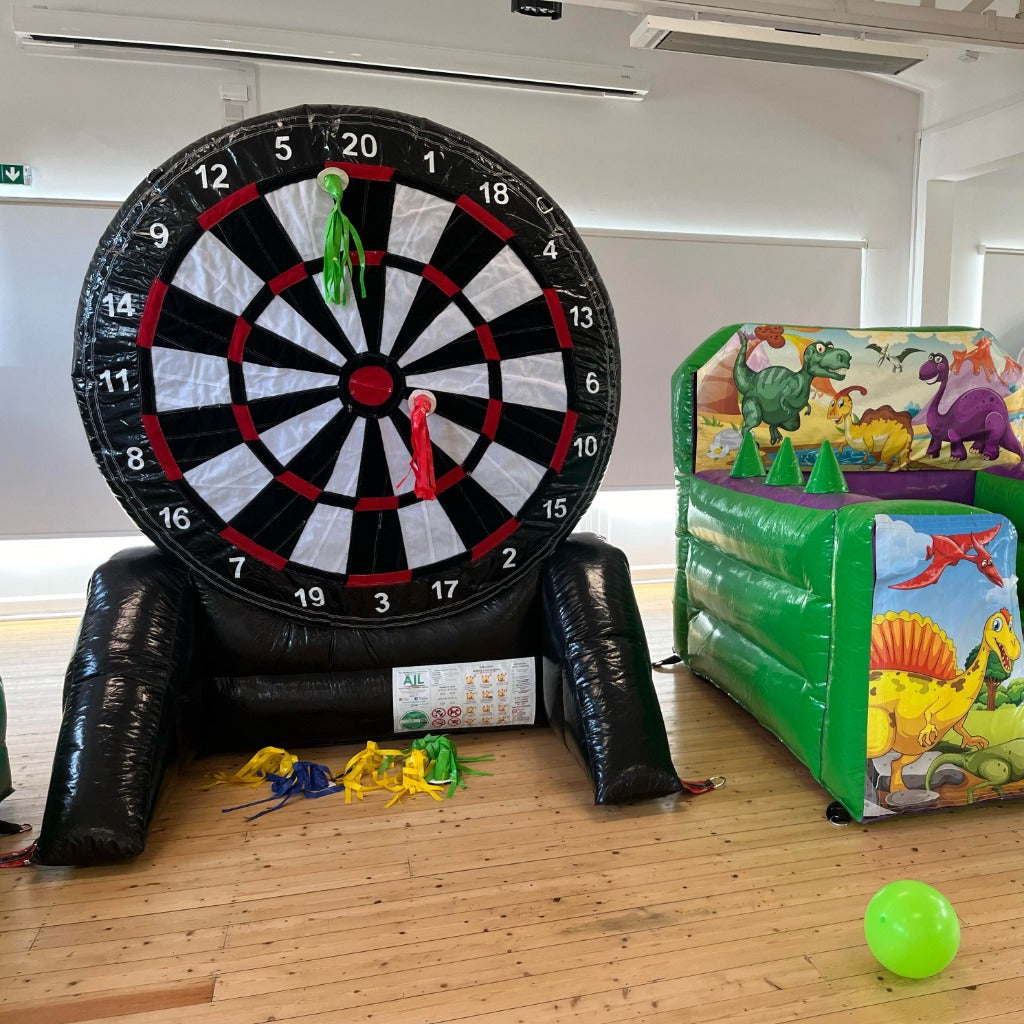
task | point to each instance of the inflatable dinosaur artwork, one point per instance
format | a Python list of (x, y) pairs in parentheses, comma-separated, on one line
[(979, 416), (946, 550), (777, 395), (883, 434), (916, 692), (994, 766)]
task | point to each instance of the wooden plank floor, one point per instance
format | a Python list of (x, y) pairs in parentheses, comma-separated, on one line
[(517, 901)]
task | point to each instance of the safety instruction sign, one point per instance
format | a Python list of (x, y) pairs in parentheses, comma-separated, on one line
[(467, 695)]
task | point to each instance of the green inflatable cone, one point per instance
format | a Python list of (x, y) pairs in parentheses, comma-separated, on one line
[(826, 476), (748, 459), (785, 471)]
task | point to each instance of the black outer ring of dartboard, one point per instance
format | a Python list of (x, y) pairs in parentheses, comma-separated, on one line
[(127, 261)]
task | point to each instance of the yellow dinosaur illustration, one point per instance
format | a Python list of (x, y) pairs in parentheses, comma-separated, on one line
[(882, 433), (916, 693)]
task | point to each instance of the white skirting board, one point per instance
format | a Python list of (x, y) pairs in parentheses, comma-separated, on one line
[(44, 577)]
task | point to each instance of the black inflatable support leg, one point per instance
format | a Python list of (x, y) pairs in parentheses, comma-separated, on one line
[(122, 696), (608, 708)]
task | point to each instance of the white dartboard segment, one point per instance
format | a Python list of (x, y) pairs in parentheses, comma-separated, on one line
[(508, 476), (284, 321), (324, 542), (287, 439), (228, 482), (417, 222), (537, 381), (428, 534), (345, 475), (449, 325), (188, 380), (270, 381), (400, 289), (213, 273), (503, 285), (302, 209), (459, 380), (346, 314)]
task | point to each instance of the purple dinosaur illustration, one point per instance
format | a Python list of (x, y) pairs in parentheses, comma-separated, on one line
[(979, 416)]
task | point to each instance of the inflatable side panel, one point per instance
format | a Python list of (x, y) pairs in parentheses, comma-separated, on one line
[(1003, 495), (5, 764), (683, 430), (843, 736), (123, 697), (791, 624), (596, 637), (780, 699), (843, 729), (789, 542), (679, 604)]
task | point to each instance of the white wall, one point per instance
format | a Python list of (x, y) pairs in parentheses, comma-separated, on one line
[(718, 146), (972, 129)]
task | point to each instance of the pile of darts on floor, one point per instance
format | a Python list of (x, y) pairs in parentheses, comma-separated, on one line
[(431, 765)]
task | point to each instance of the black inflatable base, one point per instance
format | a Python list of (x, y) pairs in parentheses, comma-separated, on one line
[(164, 666)]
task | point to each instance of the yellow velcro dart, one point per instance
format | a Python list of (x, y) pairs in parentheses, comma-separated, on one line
[(268, 761), (369, 761), (414, 780)]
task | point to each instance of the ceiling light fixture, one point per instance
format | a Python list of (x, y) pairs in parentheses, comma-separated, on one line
[(781, 46), (73, 33)]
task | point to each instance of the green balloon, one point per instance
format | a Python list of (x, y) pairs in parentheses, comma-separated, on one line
[(912, 929)]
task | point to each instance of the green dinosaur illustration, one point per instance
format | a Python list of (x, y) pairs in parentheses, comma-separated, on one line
[(996, 766), (776, 394)]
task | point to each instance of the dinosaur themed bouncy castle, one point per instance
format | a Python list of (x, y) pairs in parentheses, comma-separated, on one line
[(849, 503)]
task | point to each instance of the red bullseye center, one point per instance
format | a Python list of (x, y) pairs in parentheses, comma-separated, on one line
[(371, 385)]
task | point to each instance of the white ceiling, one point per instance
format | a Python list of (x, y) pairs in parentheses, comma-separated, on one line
[(590, 31)]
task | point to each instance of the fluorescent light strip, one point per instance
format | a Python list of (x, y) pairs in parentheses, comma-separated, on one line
[(788, 46), (40, 27)]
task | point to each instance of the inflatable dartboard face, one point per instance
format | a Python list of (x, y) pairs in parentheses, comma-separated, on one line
[(261, 430)]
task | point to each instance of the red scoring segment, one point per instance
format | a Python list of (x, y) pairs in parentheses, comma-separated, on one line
[(372, 172), (488, 220), (151, 314), (371, 385), (227, 205)]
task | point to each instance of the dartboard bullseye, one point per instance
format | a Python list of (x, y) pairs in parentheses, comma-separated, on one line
[(348, 364)]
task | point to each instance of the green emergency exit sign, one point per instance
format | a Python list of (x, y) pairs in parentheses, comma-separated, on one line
[(15, 174)]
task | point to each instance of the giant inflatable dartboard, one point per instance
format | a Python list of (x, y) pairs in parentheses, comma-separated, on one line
[(262, 433)]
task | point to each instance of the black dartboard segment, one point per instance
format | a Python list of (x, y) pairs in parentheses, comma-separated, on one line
[(263, 434)]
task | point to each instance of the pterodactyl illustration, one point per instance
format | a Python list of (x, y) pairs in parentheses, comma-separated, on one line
[(895, 361), (948, 549)]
